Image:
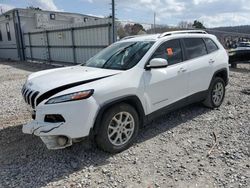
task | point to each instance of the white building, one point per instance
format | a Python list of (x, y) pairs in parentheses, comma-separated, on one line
[(18, 21)]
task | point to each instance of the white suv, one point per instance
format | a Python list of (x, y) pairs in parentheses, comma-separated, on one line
[(125, 85)]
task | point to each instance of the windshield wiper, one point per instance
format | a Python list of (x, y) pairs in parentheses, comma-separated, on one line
[(117, 53)]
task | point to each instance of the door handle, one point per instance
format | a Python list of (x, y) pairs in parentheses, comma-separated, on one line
[(181, 70), (211, 61)]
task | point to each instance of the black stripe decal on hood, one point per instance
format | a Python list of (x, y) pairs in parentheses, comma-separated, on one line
[(52, 92)]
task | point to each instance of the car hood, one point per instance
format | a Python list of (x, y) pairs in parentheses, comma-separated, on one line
[(54, 78)]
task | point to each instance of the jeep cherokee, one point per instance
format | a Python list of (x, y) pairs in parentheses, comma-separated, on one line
[(125, 85)]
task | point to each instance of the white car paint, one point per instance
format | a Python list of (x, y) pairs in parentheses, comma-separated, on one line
[(155, 89), (49, 79)]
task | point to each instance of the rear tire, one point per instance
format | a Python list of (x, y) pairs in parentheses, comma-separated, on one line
[(216, 93), (119, 128)]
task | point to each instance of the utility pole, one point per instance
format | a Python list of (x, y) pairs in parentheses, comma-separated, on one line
[(154, 22), (113, 21)]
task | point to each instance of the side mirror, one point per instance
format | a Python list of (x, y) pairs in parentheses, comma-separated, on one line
[(157, 63)]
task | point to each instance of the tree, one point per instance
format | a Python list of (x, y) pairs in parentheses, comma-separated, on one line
[(137, 28), (134, 29), (159, 29), (128, 29), (185, 25), (121, 32), (198, 25)]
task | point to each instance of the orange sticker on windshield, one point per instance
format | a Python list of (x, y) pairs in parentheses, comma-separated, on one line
[(170, 51)]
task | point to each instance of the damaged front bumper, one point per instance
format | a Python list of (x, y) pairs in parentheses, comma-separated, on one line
[(60, 125), (43, 129)]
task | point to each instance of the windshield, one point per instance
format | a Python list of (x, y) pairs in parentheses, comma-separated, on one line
[(120, 56)]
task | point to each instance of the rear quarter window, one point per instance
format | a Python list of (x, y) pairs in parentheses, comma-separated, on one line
[(211, 46), (195, 47)]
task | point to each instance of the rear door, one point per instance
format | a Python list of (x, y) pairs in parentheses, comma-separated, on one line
[(199, 64)]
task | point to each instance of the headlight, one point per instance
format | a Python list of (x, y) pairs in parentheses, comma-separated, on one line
[(71, 97)]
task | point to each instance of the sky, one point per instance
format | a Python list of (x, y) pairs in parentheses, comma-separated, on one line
[(212, 13)]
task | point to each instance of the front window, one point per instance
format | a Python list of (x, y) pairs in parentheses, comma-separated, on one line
[(171, 51), (120, 56)]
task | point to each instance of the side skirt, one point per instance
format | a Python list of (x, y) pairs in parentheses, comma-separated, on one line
[(197, 97)]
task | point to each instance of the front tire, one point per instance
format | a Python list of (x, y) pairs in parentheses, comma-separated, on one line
[(120, 125), (216, 93)]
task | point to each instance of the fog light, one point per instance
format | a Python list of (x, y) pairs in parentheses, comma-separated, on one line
[(54, 118), (62, 140)]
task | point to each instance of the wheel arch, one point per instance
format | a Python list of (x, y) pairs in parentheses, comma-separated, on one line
[(222, 73), (132, 100)]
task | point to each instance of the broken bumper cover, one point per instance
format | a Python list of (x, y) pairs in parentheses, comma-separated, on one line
[(79, 118), (42, 130)]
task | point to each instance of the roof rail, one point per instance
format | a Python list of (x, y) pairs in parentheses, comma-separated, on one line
[(133, 36), (130, 37), (182, 32)]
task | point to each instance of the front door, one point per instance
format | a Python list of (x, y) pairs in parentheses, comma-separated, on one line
[(165, 86)]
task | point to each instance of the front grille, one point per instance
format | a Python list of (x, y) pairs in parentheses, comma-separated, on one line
[(33, 97), (24, 95), (30, 96)]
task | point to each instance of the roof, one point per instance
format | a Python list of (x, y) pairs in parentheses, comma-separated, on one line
[(48, 11), (154, 37)]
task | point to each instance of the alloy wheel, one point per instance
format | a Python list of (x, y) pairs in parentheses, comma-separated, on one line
[(121, 128), (218, 93)]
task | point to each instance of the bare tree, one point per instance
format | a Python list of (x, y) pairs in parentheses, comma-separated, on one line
[(185, 25)]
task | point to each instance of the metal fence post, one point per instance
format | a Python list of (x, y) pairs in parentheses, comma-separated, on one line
[(110, 34), (73, 45), (30, 45), (48, 46), (113, 22)]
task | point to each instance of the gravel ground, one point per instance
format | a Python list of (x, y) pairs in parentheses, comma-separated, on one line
[(172, 151)]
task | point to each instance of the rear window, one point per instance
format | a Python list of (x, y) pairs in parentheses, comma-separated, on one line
[(195, 47), (211, 46)]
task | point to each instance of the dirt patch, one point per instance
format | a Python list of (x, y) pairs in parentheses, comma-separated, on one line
[(172, 151)]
